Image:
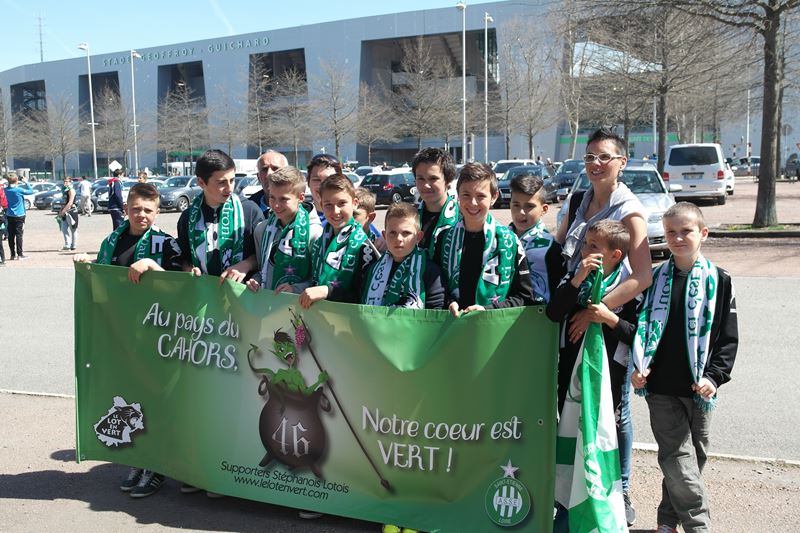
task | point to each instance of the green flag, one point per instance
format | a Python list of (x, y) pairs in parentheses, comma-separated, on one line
[(588, 479), (399, 416)]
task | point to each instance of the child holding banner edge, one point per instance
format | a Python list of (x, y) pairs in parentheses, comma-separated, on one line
[(283, 241), (140, 245), (483, 262), (606, 245), (341, 256), (688, 315), (404, 276)]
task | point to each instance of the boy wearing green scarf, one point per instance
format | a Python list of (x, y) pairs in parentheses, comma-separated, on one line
[(404, 276), (606, 244), (527, 207), (483, 263), (341, 256), (216, 232), (284, 240), (141, 246), (434, 171), (684, 350)]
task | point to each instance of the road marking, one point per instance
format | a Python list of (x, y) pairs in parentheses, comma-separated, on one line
[(32, 393), (653, 448)]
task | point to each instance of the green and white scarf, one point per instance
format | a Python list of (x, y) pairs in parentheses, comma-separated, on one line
[(292, 261), (536, 241), (335, 257), (500, 248), (406, 287), (230, 234), (150, 245), (588, 481), (701, 301), (448, 217)]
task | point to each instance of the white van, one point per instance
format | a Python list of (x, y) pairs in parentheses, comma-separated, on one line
[(699, 168)]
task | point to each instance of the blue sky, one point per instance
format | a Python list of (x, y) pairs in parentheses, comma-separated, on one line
[(112, 27)]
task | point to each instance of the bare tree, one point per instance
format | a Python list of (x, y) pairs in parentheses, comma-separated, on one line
[(182, 122), (5, 136), (291, 111), (114, 129), (225, 126), (335, 107), (420, 100), (531, 67), (376, 121), (50, 134), (259, 115)]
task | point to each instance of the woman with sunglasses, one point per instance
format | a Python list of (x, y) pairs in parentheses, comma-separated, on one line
[(609, 198)]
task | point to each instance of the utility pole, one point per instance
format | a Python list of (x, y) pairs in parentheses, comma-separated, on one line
[(41, 41)]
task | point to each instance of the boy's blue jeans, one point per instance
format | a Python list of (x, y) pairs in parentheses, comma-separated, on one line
[(625, 430)]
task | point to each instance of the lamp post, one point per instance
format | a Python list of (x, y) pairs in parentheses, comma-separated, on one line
[(486, 20), (85, 46), (463, 8), (134, 55)]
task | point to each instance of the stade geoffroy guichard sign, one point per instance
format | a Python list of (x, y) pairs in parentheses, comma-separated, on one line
[(178, 52)]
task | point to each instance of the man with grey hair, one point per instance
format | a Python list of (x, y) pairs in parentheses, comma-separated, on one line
[(269, 163)]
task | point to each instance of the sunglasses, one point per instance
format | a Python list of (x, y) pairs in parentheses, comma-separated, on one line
[(604, 158)]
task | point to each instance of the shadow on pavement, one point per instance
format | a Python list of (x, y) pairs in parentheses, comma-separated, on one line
[(98, 487)]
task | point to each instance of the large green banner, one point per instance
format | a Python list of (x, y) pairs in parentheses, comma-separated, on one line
[(389, 415)]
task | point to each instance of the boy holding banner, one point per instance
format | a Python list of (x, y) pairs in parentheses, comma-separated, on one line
[(404, 276), (434, 171), (527, 207), (688, 315), (341, 256), (140, 245), (283, 241), (483, 262), (606, 246), (216, 232)]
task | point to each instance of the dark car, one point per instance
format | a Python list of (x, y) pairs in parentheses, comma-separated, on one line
[(504, 183), (564, 178), (390, 187), (44, 200), (178, 192)]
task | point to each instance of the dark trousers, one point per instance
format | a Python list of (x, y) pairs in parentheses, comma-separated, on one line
[(116, 217), (15, 229)]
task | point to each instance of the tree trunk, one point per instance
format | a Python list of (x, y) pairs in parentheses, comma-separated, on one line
[(662, 128), (766, 214), (531, 152), (573, 141)]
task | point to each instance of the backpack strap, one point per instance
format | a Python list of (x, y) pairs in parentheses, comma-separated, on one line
[(574, 202)]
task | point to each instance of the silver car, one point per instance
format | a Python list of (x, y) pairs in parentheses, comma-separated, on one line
[(649, 188)]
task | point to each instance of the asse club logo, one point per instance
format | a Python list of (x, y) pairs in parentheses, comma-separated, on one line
[(507, 500)]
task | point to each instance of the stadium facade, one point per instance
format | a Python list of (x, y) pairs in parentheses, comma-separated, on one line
[(215, 69)]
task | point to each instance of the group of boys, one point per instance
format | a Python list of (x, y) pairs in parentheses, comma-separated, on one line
[(450, 253)]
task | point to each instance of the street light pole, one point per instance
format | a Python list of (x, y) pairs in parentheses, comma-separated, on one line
[(134, 55), (486, 20), (463, 8), (85, 46)]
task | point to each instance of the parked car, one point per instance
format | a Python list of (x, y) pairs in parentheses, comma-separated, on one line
[(250, 186), (391, 186), (649, 188), (355, 178), (178, 192), (792, 167), (100, 197), (41, 188), (44, 200), (504, 183), (504, 165), (748, 167), (700, 169), (564, 177), (364, 170)]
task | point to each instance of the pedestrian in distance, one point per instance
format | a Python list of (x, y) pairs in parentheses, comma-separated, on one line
[(85, 188), (684, 350), (68, 215), (15, 214), (116, 203)]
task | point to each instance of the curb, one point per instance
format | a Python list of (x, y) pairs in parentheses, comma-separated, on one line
[(653, 448), (754, 234)]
